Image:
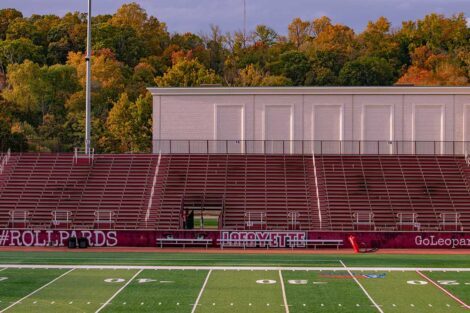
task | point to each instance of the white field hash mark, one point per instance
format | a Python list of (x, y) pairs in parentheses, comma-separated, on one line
[(37, 290), (201, 292), (119, 291), (362, 287), (448, 293)]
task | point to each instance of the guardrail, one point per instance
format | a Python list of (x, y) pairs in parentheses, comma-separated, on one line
[(4, 159), (319, 147)]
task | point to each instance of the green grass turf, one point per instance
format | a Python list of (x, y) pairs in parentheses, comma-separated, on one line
[(234, 291), (79, 291), (395, 295), (228, 291), (19, 283), (333, 295), (457, 283), (176, 294), (206, 259)]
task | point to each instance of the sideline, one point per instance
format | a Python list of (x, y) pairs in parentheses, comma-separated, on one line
[(238, 268)]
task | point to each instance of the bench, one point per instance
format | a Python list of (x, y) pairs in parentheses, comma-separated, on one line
[(324, 242), (244, 243), (184, 242)]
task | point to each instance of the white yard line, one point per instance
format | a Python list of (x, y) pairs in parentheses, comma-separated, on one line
[(39, 289), (239, 268), (201, 292), (444, 290), (362, 287), (283, 291), (118, 292), (3, 269)]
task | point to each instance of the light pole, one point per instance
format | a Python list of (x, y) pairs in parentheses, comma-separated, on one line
[(88, 85)]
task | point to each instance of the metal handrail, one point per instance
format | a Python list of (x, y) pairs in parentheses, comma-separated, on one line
[(308, 147)]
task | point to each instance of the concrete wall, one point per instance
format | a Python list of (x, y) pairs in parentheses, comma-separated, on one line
[(336, 113)]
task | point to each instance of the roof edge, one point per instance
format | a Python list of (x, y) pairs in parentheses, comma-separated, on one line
[(391, 90)]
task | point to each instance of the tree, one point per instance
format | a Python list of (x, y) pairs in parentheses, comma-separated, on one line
[(17, 51), (108, 80), (377, 40), (299, 32), (130, 124), (9, 139), (294, 65), (251, 76), (35, 89), (265, 35), (122, 40), (26, 87), (430, 69), (6, 17), (367, 71), (187, 73), (336, 38), (149, 29)]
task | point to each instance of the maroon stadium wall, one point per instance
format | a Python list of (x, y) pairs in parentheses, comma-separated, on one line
[(280, 239)]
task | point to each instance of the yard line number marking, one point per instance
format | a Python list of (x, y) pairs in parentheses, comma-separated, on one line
[(443, 290), (200, 292), (119, 291), (362, 287), (35, 291), (283, 292)]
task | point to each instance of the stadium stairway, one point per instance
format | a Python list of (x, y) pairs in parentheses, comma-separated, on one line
[(275, 187)]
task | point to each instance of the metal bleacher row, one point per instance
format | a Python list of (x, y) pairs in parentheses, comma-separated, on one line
[(272, 192), (113, 189)]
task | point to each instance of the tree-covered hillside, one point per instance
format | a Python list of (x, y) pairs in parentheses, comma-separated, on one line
[(42, 68)]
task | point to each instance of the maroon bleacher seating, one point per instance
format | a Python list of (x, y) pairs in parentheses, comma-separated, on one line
[(275, 184), (389, 185), (43, 183), (269, 192)]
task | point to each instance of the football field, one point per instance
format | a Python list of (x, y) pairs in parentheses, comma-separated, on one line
[(257, 289)]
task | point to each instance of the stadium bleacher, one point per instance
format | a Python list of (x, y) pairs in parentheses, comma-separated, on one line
[(254, 192)]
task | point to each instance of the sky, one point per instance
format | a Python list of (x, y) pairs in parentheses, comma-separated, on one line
[(197, 15)]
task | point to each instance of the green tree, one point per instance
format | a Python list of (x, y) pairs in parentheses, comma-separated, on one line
[(6, 17), (367, 71), (187, 73), (294, 65), (130, 124), (34, 89), (122, 40), (17, 51), (265, 35)]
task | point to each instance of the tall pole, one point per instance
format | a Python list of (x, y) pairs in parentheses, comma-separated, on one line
[(244, 22), (88, 85)]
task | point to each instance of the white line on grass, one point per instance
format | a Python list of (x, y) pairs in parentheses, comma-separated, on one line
[(444, 290), (35, 291), (283, 291), (117, 292), (201, 292), (237, 268), (362, 287)]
